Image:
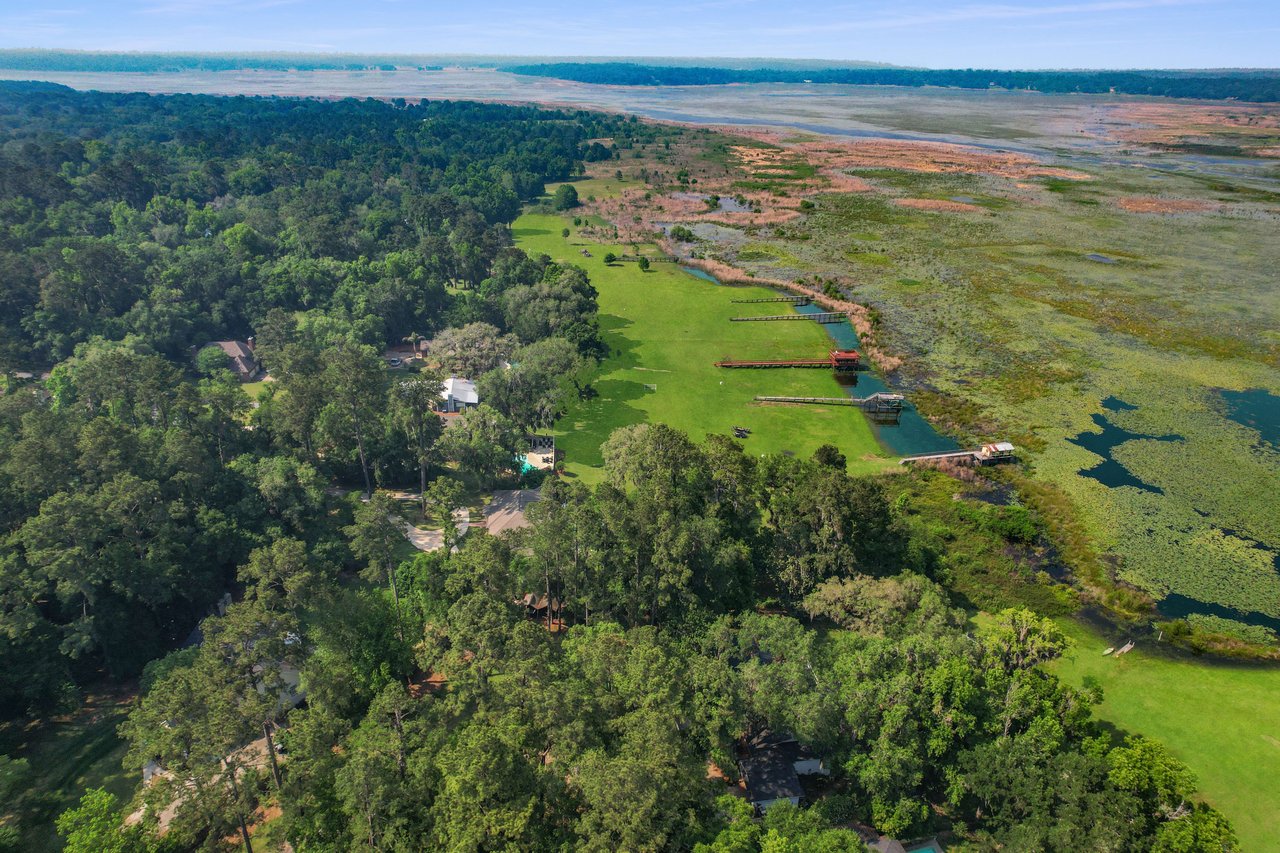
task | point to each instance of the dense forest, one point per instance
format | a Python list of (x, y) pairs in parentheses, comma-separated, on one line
[(696, 600), (1214, 85)]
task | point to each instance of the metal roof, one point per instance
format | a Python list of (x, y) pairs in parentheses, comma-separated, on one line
[(462, 390)]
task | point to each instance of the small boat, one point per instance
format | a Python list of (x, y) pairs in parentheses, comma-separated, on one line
[(1109, 650)]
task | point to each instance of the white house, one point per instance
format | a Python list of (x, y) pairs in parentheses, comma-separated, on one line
[(458, 394)]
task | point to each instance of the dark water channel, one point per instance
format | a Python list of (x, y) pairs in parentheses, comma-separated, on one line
[(1257, 409), (1177, 606), (912, 433), (1109, 472)]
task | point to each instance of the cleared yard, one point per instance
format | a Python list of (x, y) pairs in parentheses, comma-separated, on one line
[(666, 329), (1222, 720)]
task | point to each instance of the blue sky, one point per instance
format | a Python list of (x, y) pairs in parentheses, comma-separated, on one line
[(944, 33)]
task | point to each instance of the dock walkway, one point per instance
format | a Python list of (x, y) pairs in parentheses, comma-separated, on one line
[(879, 401), (819, 317), (794, 300), (987, 454)]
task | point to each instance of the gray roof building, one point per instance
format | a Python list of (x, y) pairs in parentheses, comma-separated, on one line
[(243, 361)]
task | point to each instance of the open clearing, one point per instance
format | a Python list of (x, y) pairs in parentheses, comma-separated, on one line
[(666, 329), (69, 755), (1223, 721)]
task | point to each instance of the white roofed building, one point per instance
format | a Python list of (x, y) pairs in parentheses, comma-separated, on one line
[(458, 394)]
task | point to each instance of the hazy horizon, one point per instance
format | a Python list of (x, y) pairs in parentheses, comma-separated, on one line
[(485, 60), (1040, 34)]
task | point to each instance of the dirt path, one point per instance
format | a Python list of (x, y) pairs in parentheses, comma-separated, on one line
[(432, 540)]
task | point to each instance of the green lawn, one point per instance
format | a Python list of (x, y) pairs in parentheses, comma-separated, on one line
[(666, 329), (1223, 721), (254, 389), (67, 757)]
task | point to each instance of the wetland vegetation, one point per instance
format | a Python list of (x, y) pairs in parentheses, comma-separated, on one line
[(1007, 333)]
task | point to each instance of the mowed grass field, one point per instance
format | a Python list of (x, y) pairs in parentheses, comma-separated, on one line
[(666, 329), (1222, 720)]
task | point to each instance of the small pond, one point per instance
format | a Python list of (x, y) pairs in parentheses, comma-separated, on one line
[(727, 203), (1101, 259), (1115, 404)]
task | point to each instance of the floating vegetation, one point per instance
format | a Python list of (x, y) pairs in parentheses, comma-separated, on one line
[(1115, 404), (1109, 472), (1249, 625)]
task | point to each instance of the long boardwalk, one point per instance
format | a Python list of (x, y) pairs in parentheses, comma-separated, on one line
[(794, 362), (987, 454), (794, 300), (879, 401), (820, 317)]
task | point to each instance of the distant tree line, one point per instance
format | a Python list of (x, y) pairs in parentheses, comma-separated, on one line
[(1211, 85), (141, 62)]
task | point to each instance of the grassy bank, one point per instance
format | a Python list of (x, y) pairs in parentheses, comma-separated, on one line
[(1223, 721), (666, 329)]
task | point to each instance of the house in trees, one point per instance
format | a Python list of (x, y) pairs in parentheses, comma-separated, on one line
[(535, 606), (772, 769), (770, 779), (243, 362), (458, 394), (507, 510)]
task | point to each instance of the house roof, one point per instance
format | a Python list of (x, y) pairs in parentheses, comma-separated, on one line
[(462, 390), (885, 844), (235, 349), (770, 775), (242, 358), (506, 510)]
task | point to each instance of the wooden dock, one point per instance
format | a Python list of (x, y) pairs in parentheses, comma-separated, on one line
[(987, 454), (794, 300), (820, 317), (842, 361), (877, 402), (794, 362)]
